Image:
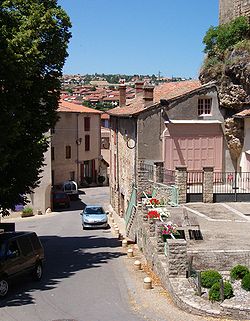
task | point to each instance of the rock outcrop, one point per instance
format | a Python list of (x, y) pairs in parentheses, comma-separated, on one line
[(232, 76)]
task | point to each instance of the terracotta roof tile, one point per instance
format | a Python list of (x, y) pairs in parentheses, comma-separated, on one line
[(166, 91), (244, 113), (65, 106)]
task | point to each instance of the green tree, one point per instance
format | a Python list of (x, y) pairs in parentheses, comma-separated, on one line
[(218, 39), (34, 36)]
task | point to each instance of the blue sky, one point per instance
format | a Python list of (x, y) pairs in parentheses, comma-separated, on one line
[(138, 36)]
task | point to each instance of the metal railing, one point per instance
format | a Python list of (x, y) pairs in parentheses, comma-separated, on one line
[(194, 182), (231, 182), (131, 205)]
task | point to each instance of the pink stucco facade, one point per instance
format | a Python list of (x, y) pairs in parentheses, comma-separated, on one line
[(194, 146)]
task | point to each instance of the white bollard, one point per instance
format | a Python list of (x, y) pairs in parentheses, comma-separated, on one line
[(124, 243), (130, 253), (147, 283), (137, 265)]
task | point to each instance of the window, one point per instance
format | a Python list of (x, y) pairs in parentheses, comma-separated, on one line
[(52, 177), (52, 153), (87, 142), (87, 124), (68, 152), (204, 106)]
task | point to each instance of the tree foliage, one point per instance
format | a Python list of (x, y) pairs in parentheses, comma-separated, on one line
[(34, 36), (218, 39)]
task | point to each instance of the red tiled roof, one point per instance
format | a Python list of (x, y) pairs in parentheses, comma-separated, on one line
[(165, 91), (104, 116), (65, 106), (244, 113)]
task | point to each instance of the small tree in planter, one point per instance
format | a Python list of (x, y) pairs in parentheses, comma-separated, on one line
[(27, 212)]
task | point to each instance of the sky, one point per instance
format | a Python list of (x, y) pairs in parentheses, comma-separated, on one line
[(138, 36)]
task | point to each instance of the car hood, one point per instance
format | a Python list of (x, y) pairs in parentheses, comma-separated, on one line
[(94, 217)]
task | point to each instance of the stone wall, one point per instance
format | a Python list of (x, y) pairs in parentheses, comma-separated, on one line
[(231, 9), (219, 260)]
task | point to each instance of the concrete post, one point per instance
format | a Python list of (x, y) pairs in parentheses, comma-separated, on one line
[(177, 258), (159, 239), (208, 184), (181, 183)]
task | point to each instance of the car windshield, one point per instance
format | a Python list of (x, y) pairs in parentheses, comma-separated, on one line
[(69, 187), (94, 210), (59, 195)]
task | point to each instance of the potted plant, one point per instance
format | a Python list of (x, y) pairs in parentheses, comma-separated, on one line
[(153, 215), (27, 211), (169, 230)]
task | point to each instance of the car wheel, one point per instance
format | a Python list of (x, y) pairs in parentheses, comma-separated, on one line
[(38, 272), (4, 287)]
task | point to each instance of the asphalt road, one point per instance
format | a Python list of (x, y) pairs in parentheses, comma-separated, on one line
[(83, 276)]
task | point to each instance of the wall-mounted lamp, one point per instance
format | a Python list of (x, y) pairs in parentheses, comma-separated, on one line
[(130, 142)]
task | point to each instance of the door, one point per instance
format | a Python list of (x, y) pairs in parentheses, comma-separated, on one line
[(194, 145)]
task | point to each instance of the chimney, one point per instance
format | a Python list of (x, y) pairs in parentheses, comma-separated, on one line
[(122, 98), (148, 95), (138, 87)]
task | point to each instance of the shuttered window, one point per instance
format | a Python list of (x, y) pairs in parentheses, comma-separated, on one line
[(87, 142)]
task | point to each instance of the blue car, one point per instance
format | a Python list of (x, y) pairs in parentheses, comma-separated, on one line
[(94, 216)]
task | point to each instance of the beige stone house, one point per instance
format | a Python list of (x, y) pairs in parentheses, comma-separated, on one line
[(76, 144), (175, 124)]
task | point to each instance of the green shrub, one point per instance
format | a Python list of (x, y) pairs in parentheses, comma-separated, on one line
[(27, 211), (238, 272), (243, 45), (245, 282), (225, 36), (209, 277), (214, 292)]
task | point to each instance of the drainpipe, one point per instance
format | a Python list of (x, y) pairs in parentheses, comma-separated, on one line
[(136, 151), (77, 149)]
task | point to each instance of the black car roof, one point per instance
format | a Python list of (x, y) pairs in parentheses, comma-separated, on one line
[(9, 235)]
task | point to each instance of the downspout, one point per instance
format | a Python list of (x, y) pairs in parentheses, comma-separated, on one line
[(77, 148), (117, 156), (136, 151)]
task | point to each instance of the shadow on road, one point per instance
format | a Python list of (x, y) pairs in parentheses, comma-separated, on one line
[(64, 257)]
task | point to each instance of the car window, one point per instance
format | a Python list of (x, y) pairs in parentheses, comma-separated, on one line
[(13, 249), (94, 210), (25, 244), (35, 241), (2, 250)]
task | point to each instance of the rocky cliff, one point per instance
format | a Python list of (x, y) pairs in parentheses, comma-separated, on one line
[(231, 72)]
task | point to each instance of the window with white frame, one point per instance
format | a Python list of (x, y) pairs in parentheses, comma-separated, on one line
[(204, 106)]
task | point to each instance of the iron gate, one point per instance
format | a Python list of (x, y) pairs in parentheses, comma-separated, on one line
[(231, 187), (194, 186)]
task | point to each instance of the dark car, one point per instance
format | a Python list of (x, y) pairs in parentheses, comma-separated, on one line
[(20, 253), (60, 199)]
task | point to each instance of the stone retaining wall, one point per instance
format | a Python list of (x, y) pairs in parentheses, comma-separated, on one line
[(219, 260)]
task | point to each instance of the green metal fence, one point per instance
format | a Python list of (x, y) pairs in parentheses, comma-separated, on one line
[(132, 205)]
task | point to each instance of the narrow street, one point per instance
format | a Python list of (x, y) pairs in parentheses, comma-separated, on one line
[(81, 277)]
